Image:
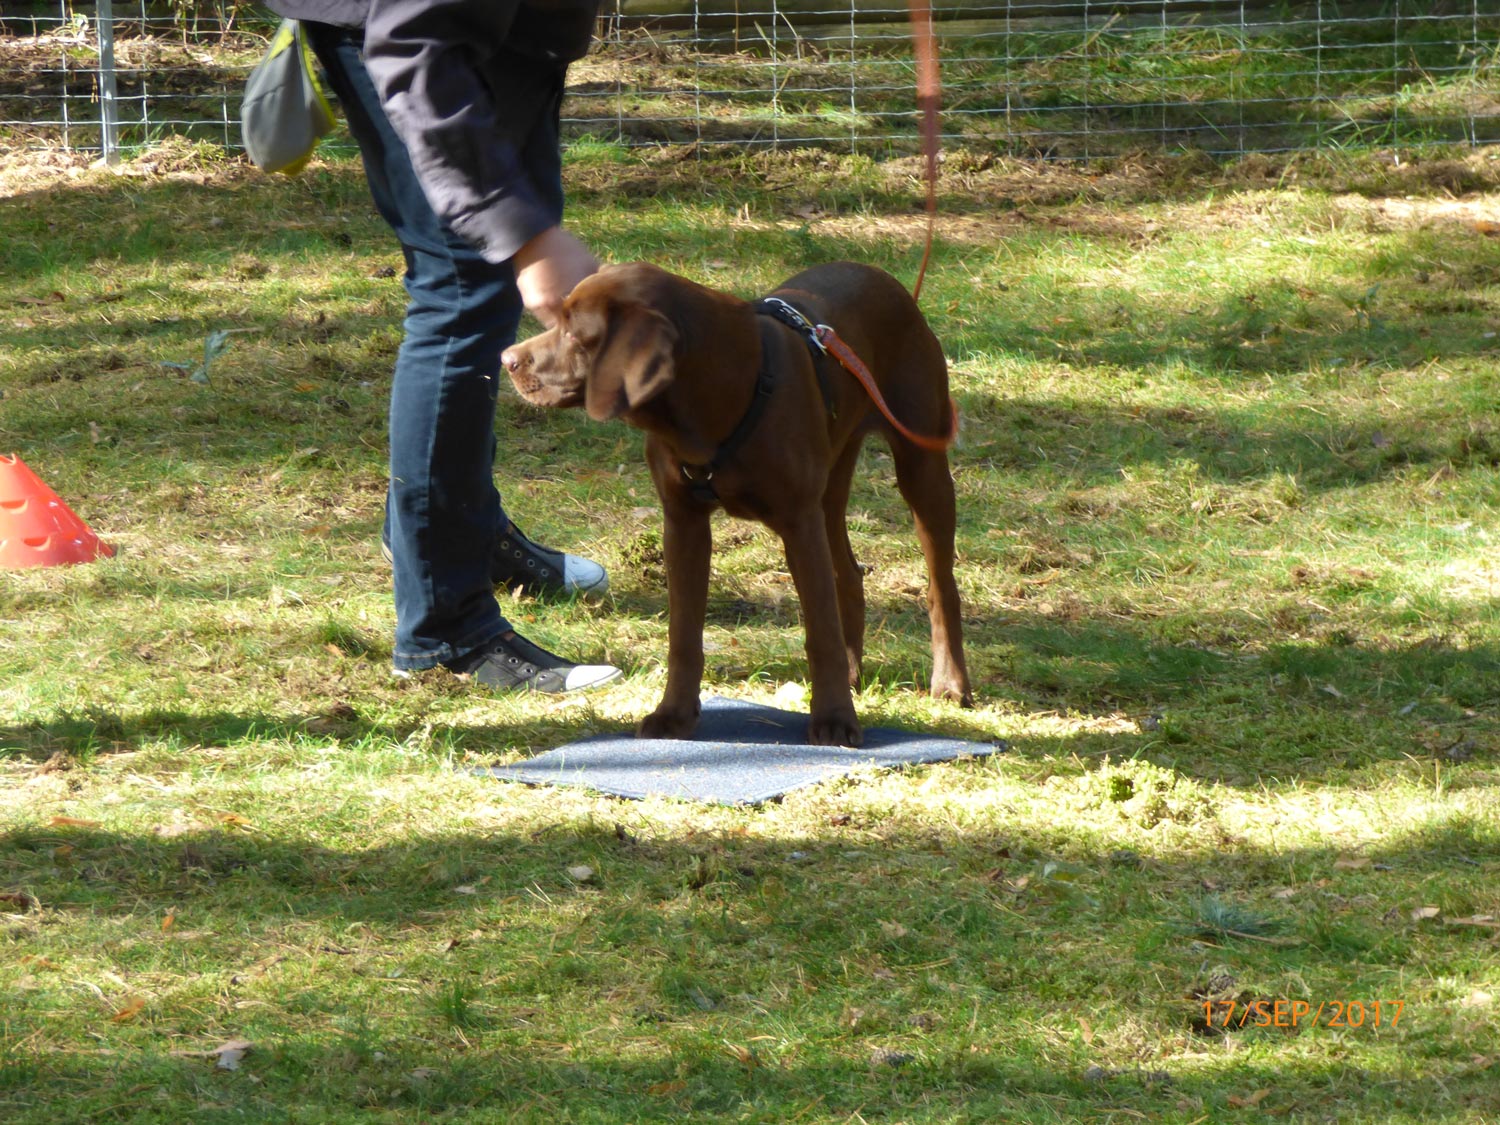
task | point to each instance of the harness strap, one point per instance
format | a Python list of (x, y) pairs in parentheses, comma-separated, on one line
[(700, 478), (794, 318)]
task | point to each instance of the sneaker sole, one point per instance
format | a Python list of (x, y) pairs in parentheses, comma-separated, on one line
[(581, 677)]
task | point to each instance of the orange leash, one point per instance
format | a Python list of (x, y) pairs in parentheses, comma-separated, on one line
[(829, 341), (924, 44)]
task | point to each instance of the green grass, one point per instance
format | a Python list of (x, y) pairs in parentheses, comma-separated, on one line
[(1228, 479)]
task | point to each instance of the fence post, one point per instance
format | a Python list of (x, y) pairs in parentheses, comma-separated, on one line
[(110, 116)]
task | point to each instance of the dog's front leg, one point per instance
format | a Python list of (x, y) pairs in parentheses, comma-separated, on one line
[(687, 543), (833, 722)]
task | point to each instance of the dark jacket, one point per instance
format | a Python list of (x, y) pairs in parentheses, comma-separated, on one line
[(468, 86)]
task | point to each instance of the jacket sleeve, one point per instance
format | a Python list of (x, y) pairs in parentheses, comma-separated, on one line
[(473, 88)]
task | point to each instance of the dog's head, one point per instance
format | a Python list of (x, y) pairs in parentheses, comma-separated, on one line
[(610, 351)]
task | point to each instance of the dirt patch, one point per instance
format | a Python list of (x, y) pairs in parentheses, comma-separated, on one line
[(1481, 212), (981, 199)]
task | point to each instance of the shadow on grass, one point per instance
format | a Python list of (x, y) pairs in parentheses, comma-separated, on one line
[(703, 940), (500, 1083)]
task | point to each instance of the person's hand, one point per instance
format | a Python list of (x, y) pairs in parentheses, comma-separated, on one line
[(547, 268)]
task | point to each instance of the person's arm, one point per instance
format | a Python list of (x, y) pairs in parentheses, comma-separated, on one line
[(467, 84)]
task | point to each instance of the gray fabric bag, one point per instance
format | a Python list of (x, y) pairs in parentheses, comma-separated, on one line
[(285, 112)]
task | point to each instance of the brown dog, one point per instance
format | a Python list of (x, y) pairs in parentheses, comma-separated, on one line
[(741, 411)]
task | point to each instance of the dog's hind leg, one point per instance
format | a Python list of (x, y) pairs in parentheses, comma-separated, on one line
[(925, 482), (848, 579)]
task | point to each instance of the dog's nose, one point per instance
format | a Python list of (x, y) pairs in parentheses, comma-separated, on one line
[(510, 359)]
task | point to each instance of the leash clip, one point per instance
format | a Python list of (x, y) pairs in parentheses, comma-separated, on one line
[(792, 317)]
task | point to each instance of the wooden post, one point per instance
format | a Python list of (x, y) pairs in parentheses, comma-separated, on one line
[(109, 109)]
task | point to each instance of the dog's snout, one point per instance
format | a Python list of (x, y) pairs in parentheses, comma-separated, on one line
[(510, 359)]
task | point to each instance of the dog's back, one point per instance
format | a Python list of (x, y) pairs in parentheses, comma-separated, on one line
[(873, 313)]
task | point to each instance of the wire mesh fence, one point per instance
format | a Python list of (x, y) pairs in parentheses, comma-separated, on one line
[(1062, 79)]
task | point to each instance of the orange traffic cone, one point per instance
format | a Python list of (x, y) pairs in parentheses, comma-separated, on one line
[(36, 528)]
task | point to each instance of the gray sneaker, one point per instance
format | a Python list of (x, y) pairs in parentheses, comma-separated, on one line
[(540, 571), (518, 563), (512, 663)]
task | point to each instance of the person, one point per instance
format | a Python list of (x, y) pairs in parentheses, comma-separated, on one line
[(455, 106)]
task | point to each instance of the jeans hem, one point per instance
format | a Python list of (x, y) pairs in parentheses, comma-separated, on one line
[(446, 654)]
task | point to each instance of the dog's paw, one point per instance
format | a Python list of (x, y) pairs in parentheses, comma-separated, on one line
[(955, 690), (665, 723), (839, 729)]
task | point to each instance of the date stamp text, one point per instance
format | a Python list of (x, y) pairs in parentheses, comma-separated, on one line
[(1289, 1015)]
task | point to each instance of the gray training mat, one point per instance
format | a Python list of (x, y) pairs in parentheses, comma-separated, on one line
[(741, 754)]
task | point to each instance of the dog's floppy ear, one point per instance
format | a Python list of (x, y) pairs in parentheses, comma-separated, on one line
[(634, 363)]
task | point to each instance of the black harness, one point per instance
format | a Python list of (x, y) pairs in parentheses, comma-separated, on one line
[(795, 319), (700, 478)]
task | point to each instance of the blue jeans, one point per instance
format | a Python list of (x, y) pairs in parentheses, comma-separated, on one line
[(443, 512)]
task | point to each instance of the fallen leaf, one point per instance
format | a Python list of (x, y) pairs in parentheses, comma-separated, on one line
[(169, 920), (1087, 1030), (582, 873), (1351, 863), (228, 1055), (662, 1089), (19, 899), (1489, 921), (893, 930), (178, 828), (132, 1008), (1422, 913), (72, 822), (1250, 1100), (743, 1055)]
